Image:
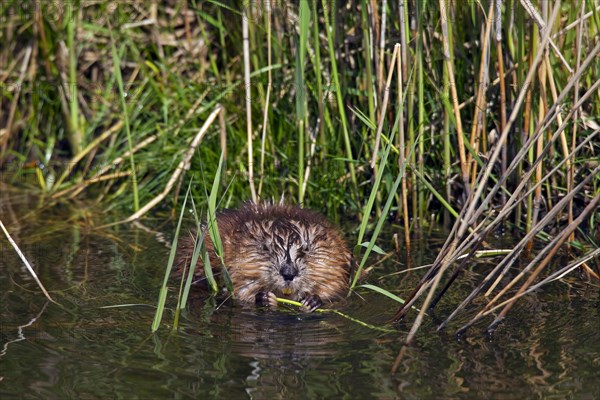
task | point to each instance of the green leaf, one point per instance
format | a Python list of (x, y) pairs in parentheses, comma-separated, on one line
[(213, 229), (375, 248), (365, 119), (163, 290), (383, 292)]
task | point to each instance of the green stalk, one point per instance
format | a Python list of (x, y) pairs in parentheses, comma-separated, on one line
[(186, 281), (117, 71), (437, 195), (380, 223), (521, 71), (300, 161), (410, 100), (447, 153), (199, 246), (371, 95), (317, 67), (421, 117), (338, 94), (368, 61), (75, 138), (341, 314), (530, 156), (367, 209), (223, 46), (213, 228), (162, 297), (301, 113), (374, 191)]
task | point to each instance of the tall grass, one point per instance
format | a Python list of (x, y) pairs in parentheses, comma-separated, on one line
[(485, 118)]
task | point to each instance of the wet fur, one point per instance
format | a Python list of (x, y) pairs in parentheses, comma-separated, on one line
[(260, 241)]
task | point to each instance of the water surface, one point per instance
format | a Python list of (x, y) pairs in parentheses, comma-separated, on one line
[(549, 347)]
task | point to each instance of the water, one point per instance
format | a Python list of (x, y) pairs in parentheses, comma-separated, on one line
[(549, 347)]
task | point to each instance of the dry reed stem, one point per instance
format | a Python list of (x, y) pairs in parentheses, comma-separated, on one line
[(504, 155), (382, 47), (223, 134), (442, 262), (552, 113), (480, 103), (80, 188), (554, 246), (404, 52), (563, 138), (374, 30), (183, 166), (248, 103), (482, 182), (99, 175), (571, 170), (13, 106), (384, 104), (402, 154), (495, 82), (557, 275), (25, 262), (267, 99), (530, 8), (509, 259), (542, 127), (313, 147), (577, 21), (512, 203), (552, 213), (454, 93), (92, 145), (542, 110), (552, 277)]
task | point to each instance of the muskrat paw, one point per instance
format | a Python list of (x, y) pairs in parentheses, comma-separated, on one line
[(266, 299), (311, 302)]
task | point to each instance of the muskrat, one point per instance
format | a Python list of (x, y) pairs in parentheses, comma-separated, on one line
[(277, 250)]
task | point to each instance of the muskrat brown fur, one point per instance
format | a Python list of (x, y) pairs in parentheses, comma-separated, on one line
[(278, 250)]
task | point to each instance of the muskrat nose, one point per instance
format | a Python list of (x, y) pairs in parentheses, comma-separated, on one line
[(288, 272)]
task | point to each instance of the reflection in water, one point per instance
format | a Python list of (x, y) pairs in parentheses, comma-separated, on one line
[(548, 347), (276, 334), (277, 353)]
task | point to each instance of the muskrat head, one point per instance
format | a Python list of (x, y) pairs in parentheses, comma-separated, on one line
[(286, 251), (291, 250)]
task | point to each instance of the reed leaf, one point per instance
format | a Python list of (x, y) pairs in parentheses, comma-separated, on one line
[(162, 297)]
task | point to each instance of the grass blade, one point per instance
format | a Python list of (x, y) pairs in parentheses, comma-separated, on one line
[(162, 297)]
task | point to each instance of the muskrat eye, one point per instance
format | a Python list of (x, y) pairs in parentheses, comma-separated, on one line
[(302, 250), (264, 248)]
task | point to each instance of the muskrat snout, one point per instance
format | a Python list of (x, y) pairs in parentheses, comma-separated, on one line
[(288, 272)]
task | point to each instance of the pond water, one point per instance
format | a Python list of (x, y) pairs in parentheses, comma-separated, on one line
[(549, 347)]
